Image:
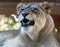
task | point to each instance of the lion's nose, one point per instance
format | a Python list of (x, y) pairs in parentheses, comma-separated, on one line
[(25, 14)]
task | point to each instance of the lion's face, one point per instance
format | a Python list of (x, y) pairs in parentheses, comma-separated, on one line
[(32, 18)]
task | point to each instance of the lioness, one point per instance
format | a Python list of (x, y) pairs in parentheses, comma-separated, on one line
[(37, 26)]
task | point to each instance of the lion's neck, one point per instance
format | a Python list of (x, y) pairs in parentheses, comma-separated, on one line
[(49, 27)]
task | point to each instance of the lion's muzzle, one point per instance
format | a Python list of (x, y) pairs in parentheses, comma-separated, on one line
[(25, 22)]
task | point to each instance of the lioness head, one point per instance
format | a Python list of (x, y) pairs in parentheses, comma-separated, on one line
[(32, 17)]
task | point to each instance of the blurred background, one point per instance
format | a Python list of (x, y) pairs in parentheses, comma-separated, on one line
[(8, 20)]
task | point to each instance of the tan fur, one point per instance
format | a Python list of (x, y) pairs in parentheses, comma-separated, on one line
[(39, 35)]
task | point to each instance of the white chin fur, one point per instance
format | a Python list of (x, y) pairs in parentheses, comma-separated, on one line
[(26, 29)]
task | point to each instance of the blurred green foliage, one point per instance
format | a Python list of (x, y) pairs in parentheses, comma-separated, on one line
[(14, 26), (8, 23)]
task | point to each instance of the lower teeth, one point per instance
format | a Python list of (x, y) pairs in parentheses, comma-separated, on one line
[(29, 23)]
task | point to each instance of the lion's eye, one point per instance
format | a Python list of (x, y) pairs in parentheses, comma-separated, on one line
[(35, 9), (22, 9)]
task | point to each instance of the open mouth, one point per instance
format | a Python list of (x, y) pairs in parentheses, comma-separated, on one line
[(26, 22)]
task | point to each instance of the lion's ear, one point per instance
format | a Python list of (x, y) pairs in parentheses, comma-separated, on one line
[(46, 6), (18, 7)]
